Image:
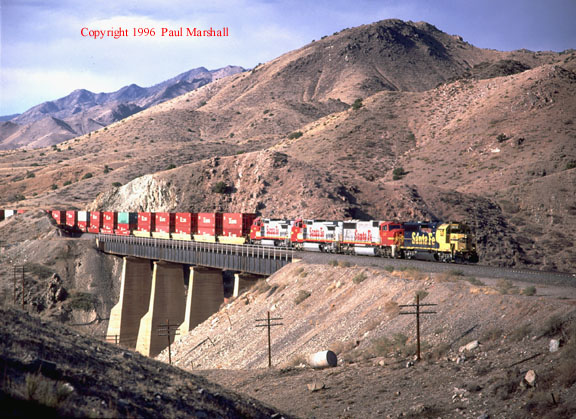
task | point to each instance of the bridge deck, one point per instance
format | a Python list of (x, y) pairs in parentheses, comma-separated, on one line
[(243, 258)]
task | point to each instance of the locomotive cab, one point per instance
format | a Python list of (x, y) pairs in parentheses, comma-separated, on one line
[(256, 229), (456, 240)]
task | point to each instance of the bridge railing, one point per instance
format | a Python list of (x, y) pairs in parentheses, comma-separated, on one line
[(244, 258)]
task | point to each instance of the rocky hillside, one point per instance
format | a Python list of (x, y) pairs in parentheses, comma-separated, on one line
[(54, 371), (389, 120), (478, 346), (83, 111)]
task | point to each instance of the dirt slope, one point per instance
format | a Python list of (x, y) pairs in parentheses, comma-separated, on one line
[(52, 370), (355, 312)]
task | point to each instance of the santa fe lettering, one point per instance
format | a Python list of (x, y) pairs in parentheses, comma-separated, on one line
[(100, 34)]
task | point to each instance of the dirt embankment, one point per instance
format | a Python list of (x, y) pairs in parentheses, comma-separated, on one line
[(355, 312)]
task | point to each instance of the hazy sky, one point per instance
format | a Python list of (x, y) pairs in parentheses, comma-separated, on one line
[(44, 56)]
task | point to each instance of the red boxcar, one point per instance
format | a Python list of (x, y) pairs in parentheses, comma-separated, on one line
[(125, 223), (108, 222), (95, 222), (59, 216), (71, 218), (185, 225), (83, 220), (145, 224), (209, 226), (237, 224), (1, 214), (164, 224)]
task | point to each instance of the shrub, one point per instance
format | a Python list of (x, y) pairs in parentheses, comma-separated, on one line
[(68, 182), (221, 188), (30, 175), (502, 137), (333, 262), (53, 186), (398, 173), (421, 294), (116, 184), (357, 104), (302, 295), (505, 286), (171, 166), (530, 291), (571, 165), (343, 263), (82, 301), (87, 176), (359, 278), (295, 135)]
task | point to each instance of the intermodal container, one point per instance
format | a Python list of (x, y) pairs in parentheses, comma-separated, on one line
[(95, 222), (125, 223), (186, 223), (1, 214), (20, 211), (71, 218), (8, 213), (209, 224), (109, 221), (83, 220), (164, 222), (237, 224), (145, 222), (59, 216)]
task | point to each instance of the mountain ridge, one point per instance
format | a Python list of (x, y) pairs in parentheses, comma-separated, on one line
[(114, 106)]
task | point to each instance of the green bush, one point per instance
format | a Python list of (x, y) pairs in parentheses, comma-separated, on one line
[(116, 184), (221, 188), (295, 135), (87, 176), (398, 173), (530, 291), (302, 295), (359, 278), (502, 137), (357, 104)]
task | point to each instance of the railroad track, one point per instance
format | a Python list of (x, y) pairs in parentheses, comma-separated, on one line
[(476, 270)]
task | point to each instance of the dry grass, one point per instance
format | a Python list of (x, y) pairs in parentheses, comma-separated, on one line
[(301, 296)]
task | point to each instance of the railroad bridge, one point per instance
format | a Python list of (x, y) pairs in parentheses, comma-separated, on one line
[(154, 275)]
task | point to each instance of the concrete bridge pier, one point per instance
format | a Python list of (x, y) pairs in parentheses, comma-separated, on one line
[(135, 284), (243, 281), (205, 295), (166, 303)]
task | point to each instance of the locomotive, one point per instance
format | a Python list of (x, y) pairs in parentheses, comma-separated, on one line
[(444, 241)]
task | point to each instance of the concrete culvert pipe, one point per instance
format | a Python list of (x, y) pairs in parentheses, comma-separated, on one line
[(323, 359)]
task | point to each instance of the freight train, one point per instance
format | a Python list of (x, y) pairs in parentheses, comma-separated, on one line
[(444, 241)]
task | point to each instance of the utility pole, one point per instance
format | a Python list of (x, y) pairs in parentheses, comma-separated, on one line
[(168, 330), (269, 325), (418, 313), (16, 269)]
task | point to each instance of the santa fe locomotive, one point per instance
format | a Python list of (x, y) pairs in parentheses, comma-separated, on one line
[(444, 241)]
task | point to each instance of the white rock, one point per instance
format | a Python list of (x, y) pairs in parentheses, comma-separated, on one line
[(470, 346), (554, 345), (530, 378)]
